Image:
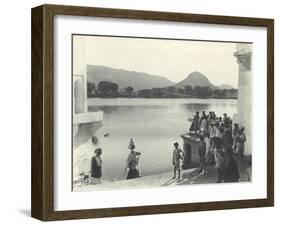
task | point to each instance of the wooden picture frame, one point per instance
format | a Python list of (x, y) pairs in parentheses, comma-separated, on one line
[(42, 203)]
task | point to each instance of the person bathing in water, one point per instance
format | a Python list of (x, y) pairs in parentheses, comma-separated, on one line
[(177, 158)]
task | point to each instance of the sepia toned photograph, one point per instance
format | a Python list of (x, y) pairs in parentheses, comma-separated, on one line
[(148, 112), (151, 112)]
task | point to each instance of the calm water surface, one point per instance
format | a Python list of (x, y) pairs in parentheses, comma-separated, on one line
[(155, 124)]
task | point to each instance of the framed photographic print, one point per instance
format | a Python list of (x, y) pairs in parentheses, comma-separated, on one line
[(141, 112)]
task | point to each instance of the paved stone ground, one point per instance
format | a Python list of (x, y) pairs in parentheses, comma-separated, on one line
[(189, 177)]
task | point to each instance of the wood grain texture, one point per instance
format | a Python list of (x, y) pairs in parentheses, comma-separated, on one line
[(37, 136), (43, 106), (270, 111)]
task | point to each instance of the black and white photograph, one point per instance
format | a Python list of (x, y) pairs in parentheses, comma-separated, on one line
[(150, 112)]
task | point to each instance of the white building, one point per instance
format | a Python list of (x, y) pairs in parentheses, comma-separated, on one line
[(85, 124), (81, 116), (244, 116)]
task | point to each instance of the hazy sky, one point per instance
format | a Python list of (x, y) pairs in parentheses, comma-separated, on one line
[(169, 58)]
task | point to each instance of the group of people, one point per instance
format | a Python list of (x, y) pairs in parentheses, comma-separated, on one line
[(219, 143), (132, 163)]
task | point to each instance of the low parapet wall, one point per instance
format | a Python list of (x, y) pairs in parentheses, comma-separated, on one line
[(190, 147)]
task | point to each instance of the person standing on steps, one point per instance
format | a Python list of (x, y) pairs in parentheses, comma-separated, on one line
[(240, 146), (196, 119), (202, 154), (208, 156), (177, 158), (96, 166), (219, 159), (132, 163), (235, 134), (230, 168), (212, 132)]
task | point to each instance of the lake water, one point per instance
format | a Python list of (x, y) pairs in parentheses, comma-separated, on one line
[(155, 124)]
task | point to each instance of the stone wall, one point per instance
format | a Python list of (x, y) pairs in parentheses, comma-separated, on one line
[(245, 113)]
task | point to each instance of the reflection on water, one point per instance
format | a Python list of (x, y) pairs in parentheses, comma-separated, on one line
[(155, 124)]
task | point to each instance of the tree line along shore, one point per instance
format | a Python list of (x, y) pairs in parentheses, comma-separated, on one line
[(106, 89)]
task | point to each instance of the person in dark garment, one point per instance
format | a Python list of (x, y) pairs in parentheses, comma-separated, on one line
[(235, 135), (219, 159), (227, 137), (230, 168), (132, 164), (196, 125), (96, 166)]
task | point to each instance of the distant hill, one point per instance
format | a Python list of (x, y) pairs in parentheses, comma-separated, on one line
[(125, 78), (195, 79), (226, 86)]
